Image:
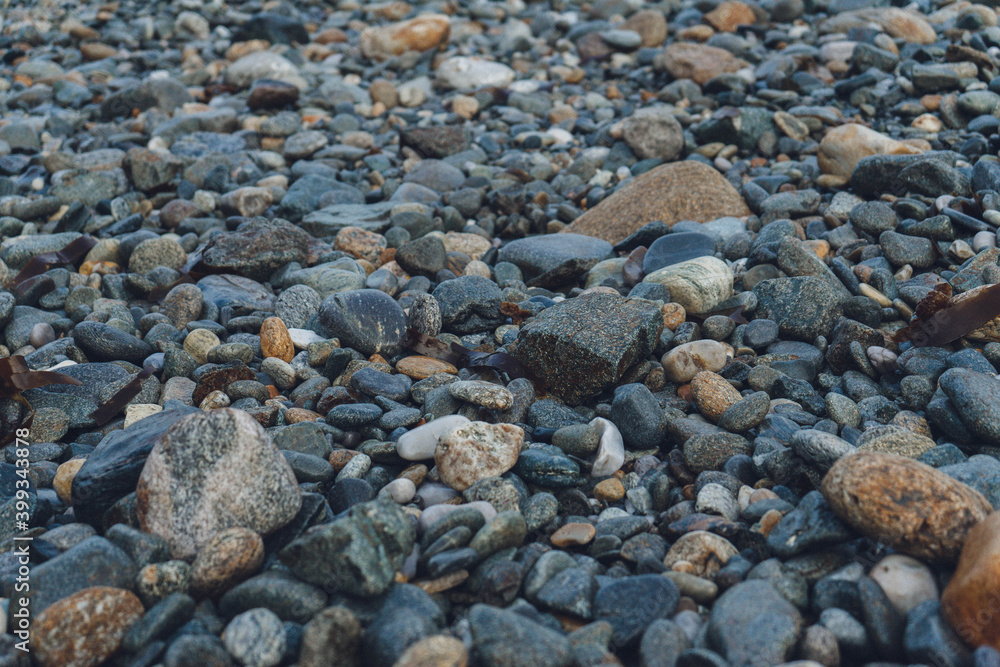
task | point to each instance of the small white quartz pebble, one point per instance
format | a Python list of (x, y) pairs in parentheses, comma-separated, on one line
[(610, 451)]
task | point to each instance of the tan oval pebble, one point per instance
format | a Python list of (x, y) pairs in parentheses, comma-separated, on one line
[(685, 361), (444, 583), (199, 342), (63, 481), (767, 522), (275, 341), (228, 558), (84, 629), (573, 534), (420, 367), (477, 450), (296, 415), (910, 506), (698, 589), (713, 394), (706, 552), (435, 651), (610, 490)]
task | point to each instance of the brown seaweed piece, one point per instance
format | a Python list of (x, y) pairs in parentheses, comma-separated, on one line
[(117, 403), (15, 377), (41, 263), (940, 318)]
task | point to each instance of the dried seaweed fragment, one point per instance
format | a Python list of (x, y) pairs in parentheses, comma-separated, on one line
[(117, 403), (940, 318), (15, 377), (41, 263)]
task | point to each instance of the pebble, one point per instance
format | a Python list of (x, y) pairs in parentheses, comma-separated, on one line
[(973, 586), (927, 517), (685, 361), (213, 497), (85, 628), (476, 450)]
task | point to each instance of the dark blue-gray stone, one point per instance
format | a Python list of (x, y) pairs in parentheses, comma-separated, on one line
[(367, 320), (752, 624), (976, 397), (112, 470), (503, 637), (631, 604), (678, 247)]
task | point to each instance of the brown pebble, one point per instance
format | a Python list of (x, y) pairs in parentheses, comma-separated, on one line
[(84, 629), (296, 415), (441, 584), (610, 490), (63, 481), (713, 394), (228, 558), (975, 587), (340, 457), (767, 522), (415, 473), (418, 367), (910, 506), (573, 534), (275, 341)]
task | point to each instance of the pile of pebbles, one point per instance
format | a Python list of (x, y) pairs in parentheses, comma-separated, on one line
[(675, 239)]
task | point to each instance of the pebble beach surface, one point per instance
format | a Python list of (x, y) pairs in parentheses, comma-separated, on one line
[(538, 334)]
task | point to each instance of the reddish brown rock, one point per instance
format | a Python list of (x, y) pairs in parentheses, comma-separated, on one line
[(910, 506), (971, 602), (360, 243), (220, 378), (671, 192), (713, 394), (419, 367), (97, 51), (84, 629), (698, 62), (275, 341)]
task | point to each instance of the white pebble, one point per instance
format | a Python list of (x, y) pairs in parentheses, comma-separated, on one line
[(906, 581), (401, 490), (420, 443), (983, 240), (303, 338), (611, 450)]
